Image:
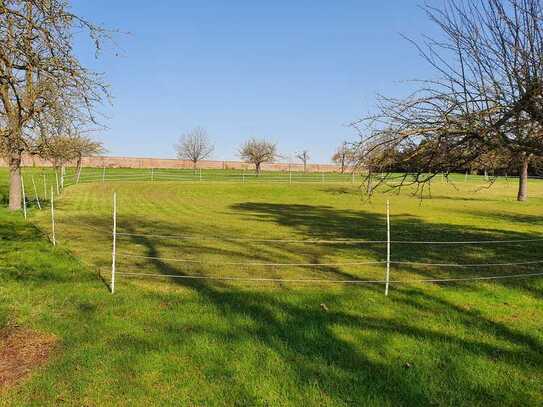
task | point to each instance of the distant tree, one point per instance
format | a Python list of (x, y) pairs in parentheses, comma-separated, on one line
[(84, 147), (343, 156), (194, 146), (60, 150), (304, 157), (257, 152)]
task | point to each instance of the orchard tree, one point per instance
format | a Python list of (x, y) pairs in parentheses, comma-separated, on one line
[(61, 150), (304, 157), (486, 97), (194, 146), (44, 90), (343, 156), (256, 152), (85, 147), (58, 150)]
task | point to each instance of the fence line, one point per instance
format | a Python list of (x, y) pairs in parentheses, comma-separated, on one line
[(252, 264), (388, 262), (189, 237), (287, 280), (346, 241), (414, 263), (332, 241)]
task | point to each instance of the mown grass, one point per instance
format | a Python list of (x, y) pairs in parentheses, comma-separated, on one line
[(201, 342)]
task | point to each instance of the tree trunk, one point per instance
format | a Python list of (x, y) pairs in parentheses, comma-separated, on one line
[(523, 179), (369, 185), (15, 194), (257, 167)]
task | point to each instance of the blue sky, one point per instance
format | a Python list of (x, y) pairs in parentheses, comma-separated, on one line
[(293, 72)]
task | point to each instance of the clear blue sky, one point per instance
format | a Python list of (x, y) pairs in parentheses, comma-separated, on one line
[(293, 72)]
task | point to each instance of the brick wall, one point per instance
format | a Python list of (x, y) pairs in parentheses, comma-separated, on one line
[(133, 162)]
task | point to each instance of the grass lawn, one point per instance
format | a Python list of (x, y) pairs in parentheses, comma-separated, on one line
[(215, 342)]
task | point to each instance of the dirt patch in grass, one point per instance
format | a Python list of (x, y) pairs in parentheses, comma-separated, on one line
[(21, 352)]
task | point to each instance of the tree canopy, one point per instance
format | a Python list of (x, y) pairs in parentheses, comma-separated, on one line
[(486, 97)]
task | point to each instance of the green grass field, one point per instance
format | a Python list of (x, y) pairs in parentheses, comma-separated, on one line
[(166, 340)]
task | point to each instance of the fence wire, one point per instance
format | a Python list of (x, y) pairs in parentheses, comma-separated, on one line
[(324, 281)]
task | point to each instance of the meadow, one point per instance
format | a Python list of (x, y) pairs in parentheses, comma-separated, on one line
[(289, 328)]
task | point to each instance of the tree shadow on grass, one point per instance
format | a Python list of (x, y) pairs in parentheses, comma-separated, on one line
[(508, 217), (351, 354), (323, 222), (307, 341), (353, 357)]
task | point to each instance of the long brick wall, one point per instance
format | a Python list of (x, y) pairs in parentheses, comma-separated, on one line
[(134, 162)]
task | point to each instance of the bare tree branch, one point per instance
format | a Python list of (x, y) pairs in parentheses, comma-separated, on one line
[(487, 99)]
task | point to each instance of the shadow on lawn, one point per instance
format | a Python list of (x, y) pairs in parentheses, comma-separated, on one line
[(352, 355), (307, 341), (518, 218), (367, 364)]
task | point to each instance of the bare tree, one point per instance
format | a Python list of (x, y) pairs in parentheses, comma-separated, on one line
[(44, 90), (85, 147), (304, 157), (487, 96), (194, 146), (343, 156), (59, 150), (257, 152)]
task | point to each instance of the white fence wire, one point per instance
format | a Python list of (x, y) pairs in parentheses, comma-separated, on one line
[(388, 262), (325, 281), (107, 174), (317, 241)]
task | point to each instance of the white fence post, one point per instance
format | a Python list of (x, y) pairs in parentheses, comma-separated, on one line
[(36, 192), (24, 195), (152, 174), (322, 177), (289, 176), (200, 174), (53, 216), (388, 249), (114, 250), (44, 186), (352, 178), (56, 178), (103, 174)]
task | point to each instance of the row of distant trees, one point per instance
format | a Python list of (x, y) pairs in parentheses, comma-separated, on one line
[(196, 146)]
